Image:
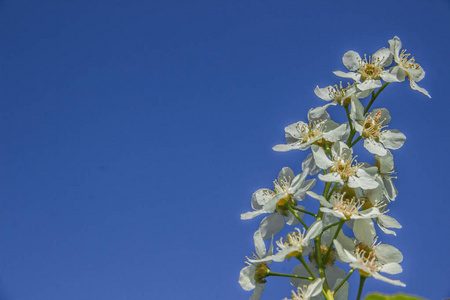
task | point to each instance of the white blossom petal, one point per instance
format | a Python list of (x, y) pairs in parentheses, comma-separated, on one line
[(351, 60)]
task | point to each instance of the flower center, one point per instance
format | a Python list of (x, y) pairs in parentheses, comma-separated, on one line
[(370, 68), (300, 295), (283, 185), (408, 63), (292, 239), (344, 167), (373, 125), (366, 256), (312, 131), (338, 93), (347, 206)]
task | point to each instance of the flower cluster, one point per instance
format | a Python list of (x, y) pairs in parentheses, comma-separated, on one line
[(355, 195)]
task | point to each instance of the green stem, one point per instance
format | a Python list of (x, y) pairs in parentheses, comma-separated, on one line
[(302, 260), (343, 281), (329, 226), (332, 190), (350, 137), (362, 279), (289, 275), (326, 189), (357, 140), (341, 223), (305, 211), (374, 96), (322, 274), (349, 118), (298, 218)]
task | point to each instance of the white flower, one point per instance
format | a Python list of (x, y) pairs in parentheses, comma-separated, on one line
[(377, 199), (302, 135), (377, 141), (372, 259), (368, 71), (386, 170), (252, 276), (346, 208), (288, 189), (333, 274), (306, 292), (342, 169), (406, 67), (296, 243)]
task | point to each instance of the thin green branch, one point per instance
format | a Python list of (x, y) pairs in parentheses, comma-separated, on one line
[(354, 143), (304, 211), (341, 223), (343, 281), (374, 96), (289, 275), (329, 226), (332, 191), (349, 118), (297, 216), (362, 279), (302, 260)]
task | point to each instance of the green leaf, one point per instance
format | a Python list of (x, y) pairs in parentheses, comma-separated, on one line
[(392, 297)]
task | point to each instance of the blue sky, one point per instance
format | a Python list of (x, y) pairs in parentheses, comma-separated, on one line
[(135, 132)]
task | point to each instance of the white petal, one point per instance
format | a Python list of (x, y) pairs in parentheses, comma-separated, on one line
[(389, 222), (316, 113), (261, 197), (246, 278), (286, 147), (397, 72), (362, 180), (370, 213), (286, 174), (257, 292), (384, 56), (335, 134), (352, 75), (364, 231), (391, 77), (357, 109), (335, 213), (343, 254), (310, 165), (391, 190), (314, 230), (320, 158), (415, 87), (271, 225), (392, 139), (314, 288), (391, 268), (385, 279), (374, 147), (351, 60), (323, 93), (388, 254), (251, 214), (395, 45), (369, 84), (260, 247), (322, 199), (331, 177)]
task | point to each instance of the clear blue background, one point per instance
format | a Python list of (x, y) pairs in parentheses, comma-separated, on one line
[(133, 134)]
